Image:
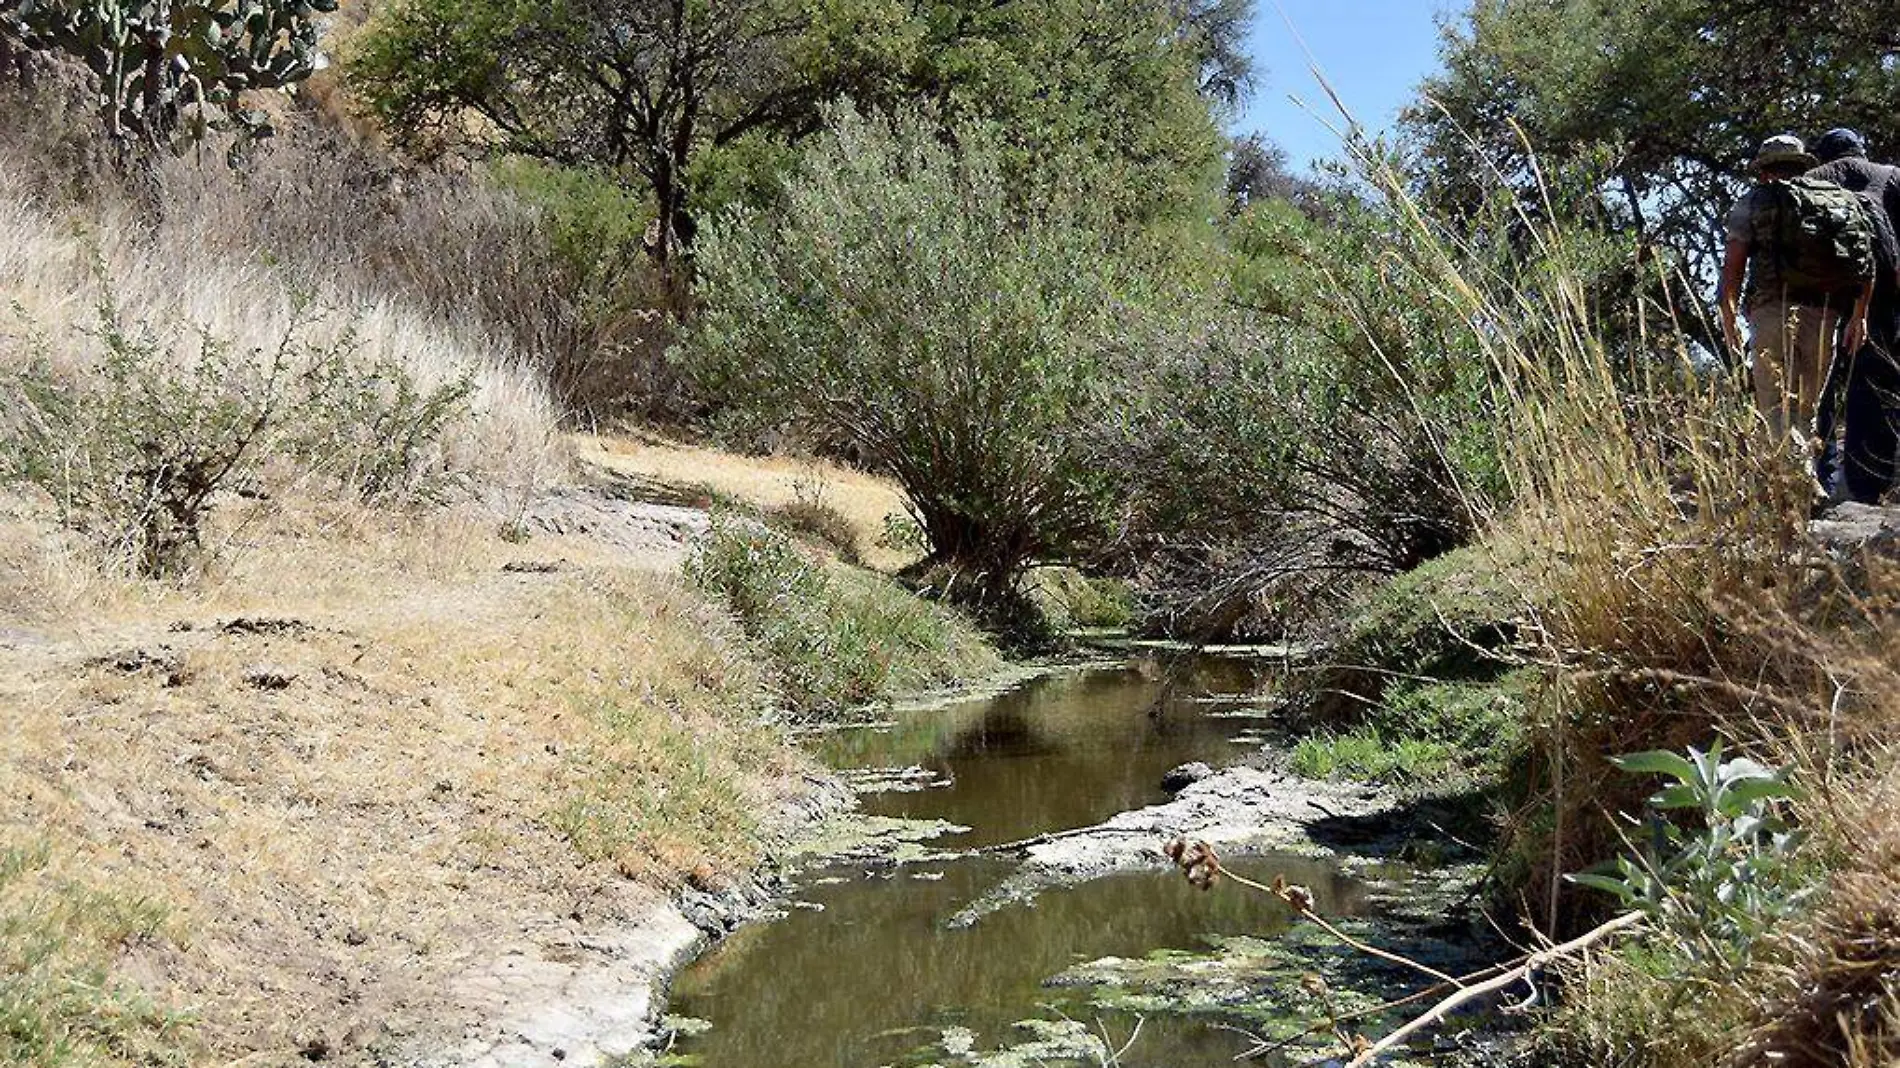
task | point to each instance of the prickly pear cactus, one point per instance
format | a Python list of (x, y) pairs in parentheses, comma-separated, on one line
[(168, 68)]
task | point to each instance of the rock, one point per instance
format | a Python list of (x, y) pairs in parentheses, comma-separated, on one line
[(268, 677), (132, 661), (1184, 776), (893, 780), (1852, 528), (162, 662), (1237, 811), (266, 626)]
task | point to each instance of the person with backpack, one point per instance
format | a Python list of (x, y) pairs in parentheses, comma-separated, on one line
[(1869, 378), (1805, 249)]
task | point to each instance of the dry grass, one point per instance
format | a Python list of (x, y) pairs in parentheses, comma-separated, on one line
[(1679, 599), (55, 271), (342, 811), (768, 483), (1836, 987), (1685, 601)]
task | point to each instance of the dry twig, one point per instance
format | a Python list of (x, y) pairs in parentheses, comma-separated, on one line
[(1490, 986)]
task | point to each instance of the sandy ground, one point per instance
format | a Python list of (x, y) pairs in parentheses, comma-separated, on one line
[(765, 482)]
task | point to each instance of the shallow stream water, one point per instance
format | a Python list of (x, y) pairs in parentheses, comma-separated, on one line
[(862, 970)]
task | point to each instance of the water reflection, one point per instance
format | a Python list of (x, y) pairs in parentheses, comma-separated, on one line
[(874, 975), (1065, 751)]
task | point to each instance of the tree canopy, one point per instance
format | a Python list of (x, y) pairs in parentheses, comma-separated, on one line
[(674, 94), (1651, 109)]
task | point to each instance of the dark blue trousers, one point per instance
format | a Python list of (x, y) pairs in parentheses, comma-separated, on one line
[(1871, 431)]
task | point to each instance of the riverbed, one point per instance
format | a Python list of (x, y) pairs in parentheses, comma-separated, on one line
[(868, 963)]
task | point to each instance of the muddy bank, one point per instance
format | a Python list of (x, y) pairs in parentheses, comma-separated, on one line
[(873, 938), (588, 988), (585, 989)]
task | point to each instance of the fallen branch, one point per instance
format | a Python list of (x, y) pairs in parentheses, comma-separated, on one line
[(1491, 986), (1303, 904), (1053, 836), (1202, 866)]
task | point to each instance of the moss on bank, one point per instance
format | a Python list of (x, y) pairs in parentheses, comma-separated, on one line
[(1447, 620), (1423, 689)]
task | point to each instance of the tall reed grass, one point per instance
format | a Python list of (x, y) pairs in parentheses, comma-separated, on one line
[(1682, 598)]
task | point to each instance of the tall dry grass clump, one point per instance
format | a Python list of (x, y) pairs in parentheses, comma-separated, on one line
[(1834, 992), (1684, 599), (543, 260), (1680, 596), (97, 305)]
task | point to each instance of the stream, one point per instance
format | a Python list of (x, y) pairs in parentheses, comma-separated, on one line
[(862, 970)]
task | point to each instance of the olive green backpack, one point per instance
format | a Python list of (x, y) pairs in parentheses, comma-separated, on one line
[(1824, 240)]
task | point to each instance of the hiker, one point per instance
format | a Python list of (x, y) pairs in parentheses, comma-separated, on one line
[(1870, 377), (1806, 249)]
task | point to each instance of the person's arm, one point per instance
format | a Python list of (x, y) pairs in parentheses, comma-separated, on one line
[(1856, 335), (1729, 295)]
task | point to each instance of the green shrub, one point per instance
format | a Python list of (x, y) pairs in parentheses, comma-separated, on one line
[(138, 450), (959, 332), (137, 455), (1715, 889), (836, 640), (1316, 414), (370, 425)]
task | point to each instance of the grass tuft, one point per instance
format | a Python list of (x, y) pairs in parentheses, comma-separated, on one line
[(60, 1002), (836, 639), (1368, 755), (819, 522)]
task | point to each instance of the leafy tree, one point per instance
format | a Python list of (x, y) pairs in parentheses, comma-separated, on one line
[(690, 98), (633, 86), (1646, 111), (959, 333), (1257, 172), (1216, 33), (160, 62)]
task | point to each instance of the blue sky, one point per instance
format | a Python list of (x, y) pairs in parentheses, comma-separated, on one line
[(1373, 52)]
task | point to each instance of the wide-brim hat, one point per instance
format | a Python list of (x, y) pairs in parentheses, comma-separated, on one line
[(1784, 148)]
